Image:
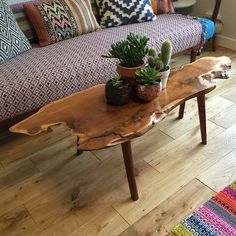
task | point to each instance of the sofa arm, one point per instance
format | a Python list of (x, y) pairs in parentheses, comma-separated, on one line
[(216, 10)]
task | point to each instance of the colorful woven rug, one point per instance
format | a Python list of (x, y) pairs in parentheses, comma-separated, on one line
[(216, 217)]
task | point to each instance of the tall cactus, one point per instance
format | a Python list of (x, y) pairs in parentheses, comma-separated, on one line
[(160, 61), (166, 52)]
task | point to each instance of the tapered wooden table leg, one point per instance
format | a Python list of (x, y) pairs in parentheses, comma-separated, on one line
[(128, 160), (202, 117), (181, 110)]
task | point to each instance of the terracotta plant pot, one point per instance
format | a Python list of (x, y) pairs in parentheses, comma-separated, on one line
[(127, 72), (147, 92), (117, 95), (164, 78)]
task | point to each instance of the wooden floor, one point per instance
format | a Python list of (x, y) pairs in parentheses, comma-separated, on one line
[(46, 190)]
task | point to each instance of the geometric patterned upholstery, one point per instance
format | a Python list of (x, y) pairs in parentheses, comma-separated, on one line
[(12, 39), (42, 75), (122, 12)]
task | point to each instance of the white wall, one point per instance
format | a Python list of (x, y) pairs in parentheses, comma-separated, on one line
[(227, 37), (16, 1)]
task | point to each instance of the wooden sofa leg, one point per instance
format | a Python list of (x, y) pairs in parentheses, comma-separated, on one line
[(213, 43), (181, 111), (193, 56)]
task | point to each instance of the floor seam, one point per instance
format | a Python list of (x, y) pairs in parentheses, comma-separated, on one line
[(29, 213), (120, 215), (95, 156), (205, 185), (227, 98), (167, 134), (1, 166)]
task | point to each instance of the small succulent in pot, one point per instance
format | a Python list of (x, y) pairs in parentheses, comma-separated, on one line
[(161, 62), (147, 83), (130, 53), (117, 91)]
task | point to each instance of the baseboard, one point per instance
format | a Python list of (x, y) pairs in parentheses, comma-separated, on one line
[(226, 42)]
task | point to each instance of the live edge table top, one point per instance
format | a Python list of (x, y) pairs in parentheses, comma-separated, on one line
[(98, 125)]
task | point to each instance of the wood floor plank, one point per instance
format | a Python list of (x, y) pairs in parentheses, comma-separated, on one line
[(17, 174), (201, 158), (15, 222), (176, 127), (18, 147), (1, 167), (57, 154), (85, 196), (175, 154), (171, 211), (61, 227), (225, 118), (43, 182), (230, 94), (106, 224), (186, 142), (221, 174)]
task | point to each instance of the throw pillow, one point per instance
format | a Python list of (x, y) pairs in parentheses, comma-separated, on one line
[(58, 20), (23, 21), (12, 39), (122, 12), (162, 6)]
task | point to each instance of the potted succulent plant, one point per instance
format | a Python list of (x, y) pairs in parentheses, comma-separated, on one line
[(117, 91), (161, 62), (130, 53), (147, 83)]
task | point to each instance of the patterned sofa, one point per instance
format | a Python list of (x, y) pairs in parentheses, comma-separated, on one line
[(42, 75)]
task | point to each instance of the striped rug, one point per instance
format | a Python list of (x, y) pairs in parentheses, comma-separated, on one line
[(216, 217)]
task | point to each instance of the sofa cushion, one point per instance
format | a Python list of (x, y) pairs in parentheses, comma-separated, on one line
[(162, 6), (122, 12), (58, 20), (12, 39), (42, 75), (23, 21), (25, 24)]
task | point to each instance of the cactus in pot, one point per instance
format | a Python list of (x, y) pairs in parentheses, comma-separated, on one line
[(130, 53), (166, 52), (161, 61), (147, 83)]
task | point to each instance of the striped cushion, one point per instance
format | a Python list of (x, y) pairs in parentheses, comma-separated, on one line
[(58, 20), (162, 6), (25, 24)]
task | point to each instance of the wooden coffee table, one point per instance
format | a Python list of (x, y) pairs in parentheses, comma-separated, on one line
[(98, 125)]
